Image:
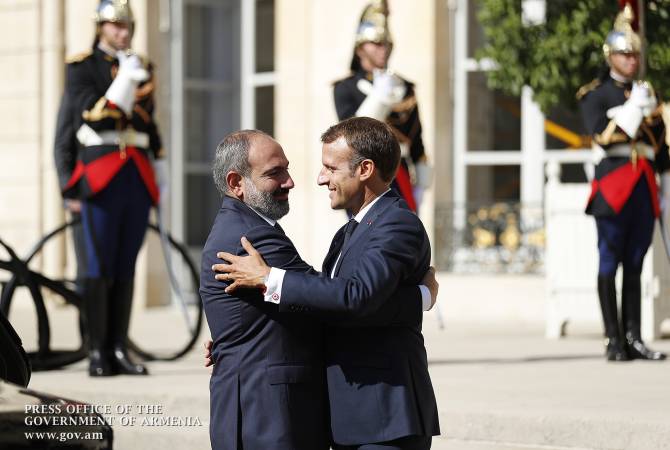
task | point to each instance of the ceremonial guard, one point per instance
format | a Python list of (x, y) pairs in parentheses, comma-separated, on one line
[(624, 118), (373, 90), (108, 108)]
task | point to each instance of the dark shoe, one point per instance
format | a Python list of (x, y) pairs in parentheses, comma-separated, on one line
[(98, 364), (637, 350), (120, 307), (122, 364), (616, 351), (95, 315)]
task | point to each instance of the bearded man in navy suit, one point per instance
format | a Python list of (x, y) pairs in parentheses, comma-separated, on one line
[(268, 386), (380, 392)]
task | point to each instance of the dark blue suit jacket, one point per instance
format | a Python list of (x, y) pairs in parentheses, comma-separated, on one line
[(268, 385), (267, 389), (378, 380)]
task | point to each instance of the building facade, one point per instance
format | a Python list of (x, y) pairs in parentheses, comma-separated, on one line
[(223, 65)]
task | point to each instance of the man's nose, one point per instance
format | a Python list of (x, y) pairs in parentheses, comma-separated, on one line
[(322, 178), (288, 184)]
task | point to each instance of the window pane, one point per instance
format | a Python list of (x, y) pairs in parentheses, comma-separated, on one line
[(208, 116), (494, 119), (475, 30), (202, 203), (573, 173), (265, 33), (265, 104), (564, 129), (488, 184), (213, 41)]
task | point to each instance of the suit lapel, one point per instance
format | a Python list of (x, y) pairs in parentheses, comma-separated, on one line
[(367, 223)]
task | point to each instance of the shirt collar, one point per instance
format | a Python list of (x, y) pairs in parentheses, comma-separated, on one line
[(620, 78), (358, 217), (264, 217), (106, 50)]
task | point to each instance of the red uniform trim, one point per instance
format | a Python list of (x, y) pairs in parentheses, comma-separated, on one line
[(616, 186), (76, 175), (146, 172), (100, 172), (405, 186)]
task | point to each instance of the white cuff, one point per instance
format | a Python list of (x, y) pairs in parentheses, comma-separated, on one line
[(424, 174), (273, 285), (426, 298)]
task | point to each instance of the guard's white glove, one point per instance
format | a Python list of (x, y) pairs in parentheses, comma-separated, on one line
[(161, 171), (386, 90), (640, 104), (665, 193), (122, 90)]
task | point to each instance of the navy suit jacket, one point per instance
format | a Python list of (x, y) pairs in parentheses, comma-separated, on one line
[(267, 389), (268, 385), (378, 381)]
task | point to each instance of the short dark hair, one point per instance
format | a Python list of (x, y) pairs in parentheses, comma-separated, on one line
[(369, 139), (232, 153)]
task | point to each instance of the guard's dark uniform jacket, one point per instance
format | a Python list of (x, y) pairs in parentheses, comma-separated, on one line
[(87, 167), (616, 175), (404, 120)]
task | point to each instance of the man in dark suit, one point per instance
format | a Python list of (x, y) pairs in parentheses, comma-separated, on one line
[(379, 388), (268, 387)]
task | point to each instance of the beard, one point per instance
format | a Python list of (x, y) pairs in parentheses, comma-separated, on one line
[(264, 202)]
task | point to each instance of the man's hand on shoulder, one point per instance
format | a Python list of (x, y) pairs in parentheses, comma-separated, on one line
[(433, 286), (248, 272)]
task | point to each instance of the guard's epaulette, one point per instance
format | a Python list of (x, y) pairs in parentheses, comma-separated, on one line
[(587, 88), (79, 57)]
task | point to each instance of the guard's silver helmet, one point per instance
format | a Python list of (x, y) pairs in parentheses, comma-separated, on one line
[(373, 26), (623, 39), (117, 11)]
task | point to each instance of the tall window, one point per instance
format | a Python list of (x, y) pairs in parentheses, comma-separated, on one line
[(223, 80), (488, 128)]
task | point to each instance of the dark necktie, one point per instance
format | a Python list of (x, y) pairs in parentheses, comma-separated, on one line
[(277, 226), (348, 230)]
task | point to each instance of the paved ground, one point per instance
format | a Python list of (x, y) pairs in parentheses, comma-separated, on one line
[(500, 384)]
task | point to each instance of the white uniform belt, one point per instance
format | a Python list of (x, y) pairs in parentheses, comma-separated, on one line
[(625, 150), (622, 151), (88, 137)]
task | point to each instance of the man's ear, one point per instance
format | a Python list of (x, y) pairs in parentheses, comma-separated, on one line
[(367, 168), (235, 184), (359, 52)]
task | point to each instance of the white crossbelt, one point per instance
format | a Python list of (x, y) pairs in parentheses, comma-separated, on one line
[(88, 137)]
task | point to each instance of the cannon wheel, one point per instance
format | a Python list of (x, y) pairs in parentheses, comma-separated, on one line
[(45, 358)]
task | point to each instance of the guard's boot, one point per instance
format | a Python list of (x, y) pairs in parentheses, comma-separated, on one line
[(615, 350), (95, 307), (630, 315), (120, 306)]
